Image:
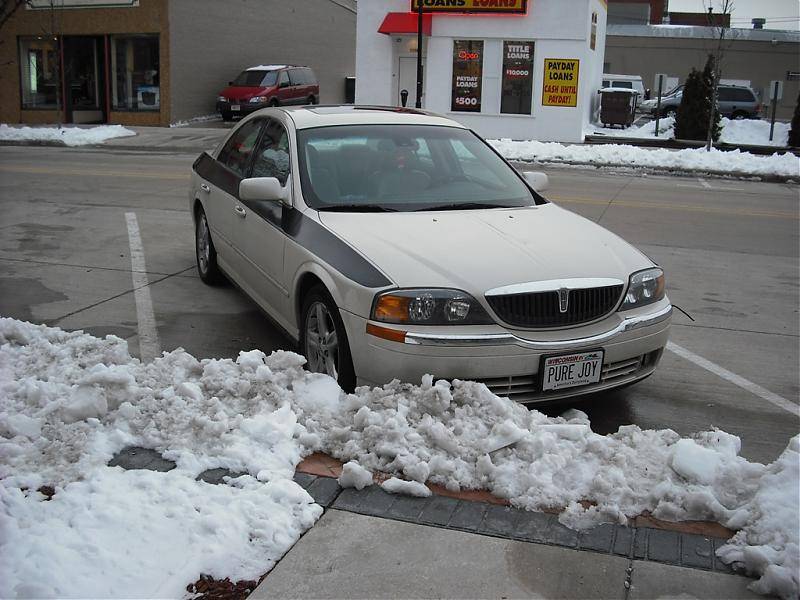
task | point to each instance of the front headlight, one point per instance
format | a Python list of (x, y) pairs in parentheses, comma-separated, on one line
[(221, 99), (429, 307), (258, 99), (644, 287)]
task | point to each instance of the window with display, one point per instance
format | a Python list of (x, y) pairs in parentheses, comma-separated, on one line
[(517, 78), (135, 73), (467, 75), (38, 62)]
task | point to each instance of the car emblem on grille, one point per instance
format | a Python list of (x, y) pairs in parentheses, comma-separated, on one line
[(563, 300)]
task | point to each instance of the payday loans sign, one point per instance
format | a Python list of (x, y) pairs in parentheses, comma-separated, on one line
[(560, 82), (472, 6)]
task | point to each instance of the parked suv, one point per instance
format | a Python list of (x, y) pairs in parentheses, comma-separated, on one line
[(734, 102), (267, 85)]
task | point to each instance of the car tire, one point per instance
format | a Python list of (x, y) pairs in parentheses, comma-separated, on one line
[(274, 102), (205, 253), (670, 113), (312, 100), (740, 115), (227, 116), (319, 318)]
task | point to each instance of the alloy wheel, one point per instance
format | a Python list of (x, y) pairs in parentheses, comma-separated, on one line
[(203, 244), (321, 341)]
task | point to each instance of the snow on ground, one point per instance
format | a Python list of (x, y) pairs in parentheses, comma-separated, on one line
[(198, 119), (71, 136), (716, 161), (69, 401), (747, 132)]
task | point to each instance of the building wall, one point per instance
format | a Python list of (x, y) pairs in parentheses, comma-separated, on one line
[(559, 30), (212, 41), (150, 16), (756, 61)]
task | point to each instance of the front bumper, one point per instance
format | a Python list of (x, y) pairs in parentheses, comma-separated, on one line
[(508, 361), (245, 108)]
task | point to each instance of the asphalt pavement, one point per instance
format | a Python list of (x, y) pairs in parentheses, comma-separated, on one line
[(729, 247)]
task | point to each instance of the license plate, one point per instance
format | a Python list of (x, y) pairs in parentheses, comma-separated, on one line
[(570, 370), (235, 107)]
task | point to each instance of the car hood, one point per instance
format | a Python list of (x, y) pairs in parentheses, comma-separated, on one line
[(243, 92), (477, 250)]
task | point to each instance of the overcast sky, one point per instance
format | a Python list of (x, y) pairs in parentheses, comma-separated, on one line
[(780, 14)]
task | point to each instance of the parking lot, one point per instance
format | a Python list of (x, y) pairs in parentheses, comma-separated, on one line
[(87, 234)]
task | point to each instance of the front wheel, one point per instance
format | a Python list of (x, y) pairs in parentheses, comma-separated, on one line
[(312, 100), (205, 252), (670, 113), (323, 340), (274, 102)]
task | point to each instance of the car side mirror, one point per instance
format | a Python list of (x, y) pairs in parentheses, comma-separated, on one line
[(537, 180), (230, 83), (257, 189)]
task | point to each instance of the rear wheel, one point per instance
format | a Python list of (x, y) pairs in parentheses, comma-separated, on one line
[(274, 102), (312, 100), (205, 253), (670, 113), (740, 115), (323, 339)]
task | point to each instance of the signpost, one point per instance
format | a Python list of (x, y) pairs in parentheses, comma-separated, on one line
[(775, 94), (661, 78), (560, 82), (418, 104)]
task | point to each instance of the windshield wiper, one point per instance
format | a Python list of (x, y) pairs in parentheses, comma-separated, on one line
[(463, 206), (356, 208)]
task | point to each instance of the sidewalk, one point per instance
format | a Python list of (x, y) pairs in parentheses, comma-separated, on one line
[(371, 544)]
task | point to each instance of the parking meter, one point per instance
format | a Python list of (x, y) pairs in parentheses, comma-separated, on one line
[(404, 97)]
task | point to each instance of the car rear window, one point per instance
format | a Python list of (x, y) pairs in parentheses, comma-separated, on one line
[(622, 84), (256, 78), (735, 95)]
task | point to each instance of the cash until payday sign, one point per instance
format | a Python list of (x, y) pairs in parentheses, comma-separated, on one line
[(560, 82), (505, 7)]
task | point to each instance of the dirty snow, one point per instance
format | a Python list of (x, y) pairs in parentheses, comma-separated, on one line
[(734, 163), (260, 414), (354, 475), (746, 132), (71, 136)]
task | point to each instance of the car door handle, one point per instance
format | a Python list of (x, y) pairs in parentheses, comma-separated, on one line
[(240, 211), (205, 188)]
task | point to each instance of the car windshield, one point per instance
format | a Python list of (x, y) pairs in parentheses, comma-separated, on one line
[(405, 168), (256, 78)]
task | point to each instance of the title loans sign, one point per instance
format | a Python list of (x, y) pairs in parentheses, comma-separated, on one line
[(472, 6), (560, 82)]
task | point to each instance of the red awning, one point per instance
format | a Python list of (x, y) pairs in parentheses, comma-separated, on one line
[(396, 22)]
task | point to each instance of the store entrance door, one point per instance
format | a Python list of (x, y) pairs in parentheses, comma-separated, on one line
[(84, 79), (407, 79)]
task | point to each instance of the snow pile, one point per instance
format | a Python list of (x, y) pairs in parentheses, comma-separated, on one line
[(198, 119), (621, 155), (258, 415), (71, 136), (754, 132), (745, 132)]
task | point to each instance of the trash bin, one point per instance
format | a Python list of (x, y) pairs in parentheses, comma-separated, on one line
[(617, 106)]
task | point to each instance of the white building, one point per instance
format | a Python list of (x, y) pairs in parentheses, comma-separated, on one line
[(508, 69)]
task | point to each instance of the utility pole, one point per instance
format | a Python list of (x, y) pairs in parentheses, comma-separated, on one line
[(419, 54)]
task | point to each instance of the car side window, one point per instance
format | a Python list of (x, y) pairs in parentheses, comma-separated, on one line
[(311, 78), (284, 79), (272, 155), (237, 151), (296, 77)]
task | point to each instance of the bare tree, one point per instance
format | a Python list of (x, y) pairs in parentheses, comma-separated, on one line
[(8, 8), (721, 43)]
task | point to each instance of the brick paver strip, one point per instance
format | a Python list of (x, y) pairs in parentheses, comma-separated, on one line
[(323, 490), (467, 515), (303, 479), (664, 546), (136, 457), (623, 542), (499, 520), (438, 511), (407, 508), (599, 538), (696, 551), (532, 526)]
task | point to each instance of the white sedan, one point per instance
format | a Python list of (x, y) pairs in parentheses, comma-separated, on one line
[(391, 243)]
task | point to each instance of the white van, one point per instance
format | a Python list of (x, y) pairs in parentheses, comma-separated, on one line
[(628, 82)]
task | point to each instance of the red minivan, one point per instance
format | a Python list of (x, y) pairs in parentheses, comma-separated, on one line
[(267, 85)]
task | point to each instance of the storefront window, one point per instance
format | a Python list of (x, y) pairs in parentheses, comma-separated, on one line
[(517, 78), (38, 61), (467, 75), (135, 68)]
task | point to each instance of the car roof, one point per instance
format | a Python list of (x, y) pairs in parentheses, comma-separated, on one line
[(305, 117), (268, 67)]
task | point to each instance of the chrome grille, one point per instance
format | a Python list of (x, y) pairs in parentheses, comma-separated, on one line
[(542, 309)]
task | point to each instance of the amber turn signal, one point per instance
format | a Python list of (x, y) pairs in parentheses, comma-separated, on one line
[(391, 308), (393, 335)]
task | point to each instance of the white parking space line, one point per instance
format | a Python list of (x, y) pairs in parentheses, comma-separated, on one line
[(149, 346), (735, 379)]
